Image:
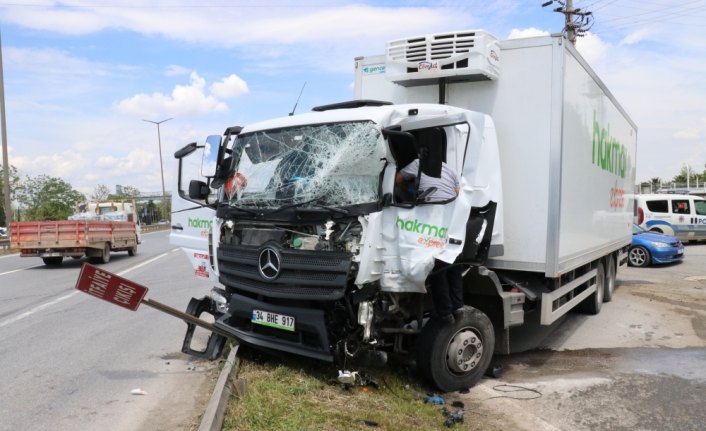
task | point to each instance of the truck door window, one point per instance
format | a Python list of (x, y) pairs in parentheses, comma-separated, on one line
[(680, 206), (659, 206)]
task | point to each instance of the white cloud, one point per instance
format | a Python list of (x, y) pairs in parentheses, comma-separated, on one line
[(636, 37), (526, 32), (689, 134), (229, 87), (184, 101), (591, 47), (176, 70)]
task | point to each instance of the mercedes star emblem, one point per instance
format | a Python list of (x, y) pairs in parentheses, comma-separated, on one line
[(269, 263)]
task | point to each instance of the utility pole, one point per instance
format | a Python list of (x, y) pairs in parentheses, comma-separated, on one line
[(161, 166), (576, 21), (5, 159)]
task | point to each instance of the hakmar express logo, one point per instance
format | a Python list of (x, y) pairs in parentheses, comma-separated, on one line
[(430, 235), (612, 156)]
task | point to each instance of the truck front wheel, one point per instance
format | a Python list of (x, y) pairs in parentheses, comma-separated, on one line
[(455, 356)]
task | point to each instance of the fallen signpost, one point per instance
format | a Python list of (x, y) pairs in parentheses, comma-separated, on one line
[(128, 294)]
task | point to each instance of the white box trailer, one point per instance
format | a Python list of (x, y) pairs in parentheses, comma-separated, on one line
[(567, 147)]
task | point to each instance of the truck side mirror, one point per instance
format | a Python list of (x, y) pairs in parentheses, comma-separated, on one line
[(211, 151), (198, 190)]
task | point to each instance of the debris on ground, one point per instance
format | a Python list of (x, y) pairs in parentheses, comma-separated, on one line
[(453, 418), (435, 400), (138, 392)]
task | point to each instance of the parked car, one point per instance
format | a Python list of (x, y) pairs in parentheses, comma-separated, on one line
[(651, 248), (683, 216), (3, 231)]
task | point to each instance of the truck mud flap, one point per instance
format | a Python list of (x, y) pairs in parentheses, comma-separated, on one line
[(215, 344)]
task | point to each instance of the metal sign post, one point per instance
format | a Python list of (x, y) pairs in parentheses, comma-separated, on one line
[(128, 294)]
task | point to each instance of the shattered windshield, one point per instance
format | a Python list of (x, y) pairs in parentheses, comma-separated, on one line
[(331, 164)]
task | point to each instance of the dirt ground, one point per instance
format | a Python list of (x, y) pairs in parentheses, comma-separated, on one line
[(639, 365)]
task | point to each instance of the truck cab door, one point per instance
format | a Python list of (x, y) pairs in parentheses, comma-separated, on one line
[(192, 221)]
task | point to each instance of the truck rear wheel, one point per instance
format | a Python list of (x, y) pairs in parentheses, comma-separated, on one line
[(593, 304), (455, 356), (133, 251), (105, 256), (53, 261), (610, 275)]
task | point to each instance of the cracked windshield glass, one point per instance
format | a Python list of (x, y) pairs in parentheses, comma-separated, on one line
[(331, 164)]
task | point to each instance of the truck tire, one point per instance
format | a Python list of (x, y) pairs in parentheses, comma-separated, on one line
[(105, 256), (611, 273), (593, 304), (53, 261), (455, 356), (133, 251)]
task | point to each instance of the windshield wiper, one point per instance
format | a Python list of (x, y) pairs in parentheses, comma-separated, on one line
[(249, 211), (330, 209), (298, 204)]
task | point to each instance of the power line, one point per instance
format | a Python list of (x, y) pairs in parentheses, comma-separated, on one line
[(576, 21)]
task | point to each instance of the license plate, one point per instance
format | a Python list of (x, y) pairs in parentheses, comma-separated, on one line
[(273, 320)]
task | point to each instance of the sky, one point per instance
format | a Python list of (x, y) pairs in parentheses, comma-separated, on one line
[(80, 76)]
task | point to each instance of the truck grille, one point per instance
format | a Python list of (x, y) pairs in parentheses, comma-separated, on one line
[(304, 274)]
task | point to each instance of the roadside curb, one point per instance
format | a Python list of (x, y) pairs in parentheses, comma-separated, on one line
[(213, 416)]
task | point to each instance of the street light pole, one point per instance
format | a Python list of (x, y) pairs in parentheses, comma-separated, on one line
[(5, 160), (161, 165)]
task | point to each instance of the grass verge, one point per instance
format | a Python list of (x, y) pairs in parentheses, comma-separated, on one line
[(305, 395)]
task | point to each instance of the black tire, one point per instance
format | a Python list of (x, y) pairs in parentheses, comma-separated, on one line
[(639, 256), (440, 348), (593, 304), (53, 261), (133, 251), (105, 256), (611, 273)]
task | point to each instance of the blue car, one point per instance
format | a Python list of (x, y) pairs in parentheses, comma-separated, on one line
[(651, 247)]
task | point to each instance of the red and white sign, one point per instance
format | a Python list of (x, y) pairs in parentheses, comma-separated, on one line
[(110, 287)]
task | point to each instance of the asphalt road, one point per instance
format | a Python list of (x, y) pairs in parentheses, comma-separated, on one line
[(70, 361)]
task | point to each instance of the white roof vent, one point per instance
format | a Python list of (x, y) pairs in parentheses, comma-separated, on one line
[(471, 55)]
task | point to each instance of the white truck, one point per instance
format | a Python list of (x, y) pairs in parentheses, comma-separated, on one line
[(318, 252)]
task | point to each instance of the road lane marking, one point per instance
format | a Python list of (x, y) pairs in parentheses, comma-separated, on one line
[(36, 309), (62, 298), (21, 269)]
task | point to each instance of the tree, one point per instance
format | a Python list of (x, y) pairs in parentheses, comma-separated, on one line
[(128, 192), (14, 180), (100, 193), (656, 183), (47, 198), (680, 179), (131, 192)]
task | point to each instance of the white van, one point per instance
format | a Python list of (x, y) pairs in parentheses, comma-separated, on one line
[(682, 216)]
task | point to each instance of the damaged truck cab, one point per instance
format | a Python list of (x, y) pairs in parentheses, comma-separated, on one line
[(319, 252)]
